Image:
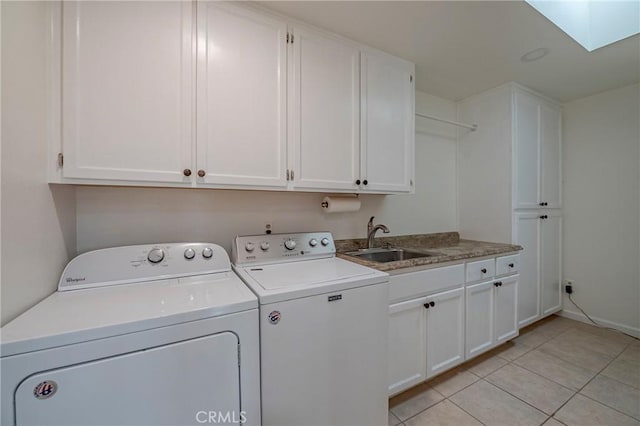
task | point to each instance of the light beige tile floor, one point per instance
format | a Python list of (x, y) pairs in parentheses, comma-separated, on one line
[(557, 372)]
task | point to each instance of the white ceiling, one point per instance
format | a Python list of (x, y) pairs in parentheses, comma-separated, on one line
[(461, 48)]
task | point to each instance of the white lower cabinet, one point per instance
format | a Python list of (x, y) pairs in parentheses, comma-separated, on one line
[(491, 314), (445, 331), (479, 327), (426, 337), (407, 344), (436, 321)]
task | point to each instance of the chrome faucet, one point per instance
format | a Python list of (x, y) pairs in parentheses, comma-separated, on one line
[(372, 229)]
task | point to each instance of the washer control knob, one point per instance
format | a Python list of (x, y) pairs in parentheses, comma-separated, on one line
[(156, 255), (264, 246), (189, 253), (249, 246), (324, 241), (290, 244), (313, 242), (207, 252)]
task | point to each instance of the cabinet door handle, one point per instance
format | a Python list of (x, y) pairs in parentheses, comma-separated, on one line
[(544, 216), (483, 270), (511, 265), (365, 182), (541, 204), (495, 284), (358, 182), (186, 172), (499, 283), (201, 173), (426, 305), (432, 304)]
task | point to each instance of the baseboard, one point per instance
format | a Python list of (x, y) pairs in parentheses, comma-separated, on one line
[(578, 316)]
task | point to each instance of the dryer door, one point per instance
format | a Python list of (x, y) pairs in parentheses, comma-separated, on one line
[(177, 384)]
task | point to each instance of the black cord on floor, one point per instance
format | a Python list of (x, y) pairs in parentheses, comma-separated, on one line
[(595, 323)]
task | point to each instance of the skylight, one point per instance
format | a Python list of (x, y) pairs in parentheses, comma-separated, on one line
[(593, 24)]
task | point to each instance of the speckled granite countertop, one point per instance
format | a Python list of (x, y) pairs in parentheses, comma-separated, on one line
[(447, 245)]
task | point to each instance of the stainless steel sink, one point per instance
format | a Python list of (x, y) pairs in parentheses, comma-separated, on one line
[(382, 255)]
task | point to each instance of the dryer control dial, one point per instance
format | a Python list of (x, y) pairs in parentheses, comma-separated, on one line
[(249, 246), (325, 241), (290, 244), (313, 242), (155, 255), (207, 252), (264, 246), (189, 253)]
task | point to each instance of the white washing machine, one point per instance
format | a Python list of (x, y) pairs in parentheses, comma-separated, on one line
[(323, 331), (139, 335)]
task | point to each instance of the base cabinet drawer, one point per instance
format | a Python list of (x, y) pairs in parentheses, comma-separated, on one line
[(507, 265), (481, 270)]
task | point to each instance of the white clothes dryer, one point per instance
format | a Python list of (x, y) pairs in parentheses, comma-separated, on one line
[(162, 334)]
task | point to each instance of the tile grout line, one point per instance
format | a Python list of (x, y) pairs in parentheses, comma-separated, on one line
[(589, 381)]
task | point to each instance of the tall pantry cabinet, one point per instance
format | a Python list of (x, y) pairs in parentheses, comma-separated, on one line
[(510, 187)]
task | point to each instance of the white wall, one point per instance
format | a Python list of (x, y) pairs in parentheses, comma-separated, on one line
[(602, 205), (37, 222), (109, 216)]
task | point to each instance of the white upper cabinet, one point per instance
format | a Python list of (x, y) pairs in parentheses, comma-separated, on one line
[(241, 107), (387, 123), (538, 179), (324, 111), (223, 95), (126, 90)]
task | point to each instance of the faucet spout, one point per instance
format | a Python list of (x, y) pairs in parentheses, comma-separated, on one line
[(372, 229)]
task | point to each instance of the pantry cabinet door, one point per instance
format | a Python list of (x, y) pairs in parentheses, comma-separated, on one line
[(407, 344), (526, 152), (550, 255), (324, 113), (551, 156), (387, 123), (127, 96), (527, 234), (241, 125)]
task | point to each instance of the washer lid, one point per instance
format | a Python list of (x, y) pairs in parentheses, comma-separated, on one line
[(76, 316), (303, 274), (291, 280)]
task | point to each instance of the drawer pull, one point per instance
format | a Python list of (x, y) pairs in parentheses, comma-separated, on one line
[(483, 270), (511, 265)]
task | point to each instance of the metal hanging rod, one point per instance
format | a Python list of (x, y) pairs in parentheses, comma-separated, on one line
[(472, 127)]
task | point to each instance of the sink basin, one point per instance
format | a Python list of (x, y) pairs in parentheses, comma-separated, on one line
[(381, 255)]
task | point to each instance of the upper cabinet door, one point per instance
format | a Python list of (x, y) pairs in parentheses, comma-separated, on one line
[(241, 126), (551, 156), (387, 123), (127, 90), (324, 113), (527, 151)]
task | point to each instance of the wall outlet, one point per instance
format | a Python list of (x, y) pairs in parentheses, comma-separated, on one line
[(569, 286)]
